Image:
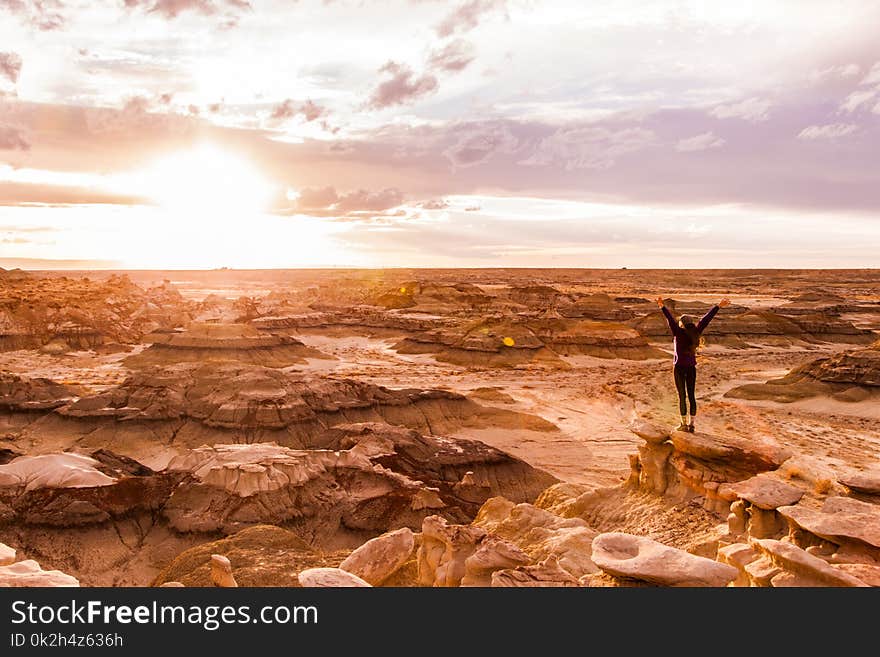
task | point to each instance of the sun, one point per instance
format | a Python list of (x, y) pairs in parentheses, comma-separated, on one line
[(206, 181)]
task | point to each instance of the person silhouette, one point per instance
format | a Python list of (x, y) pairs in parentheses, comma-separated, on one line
[(686, 341)]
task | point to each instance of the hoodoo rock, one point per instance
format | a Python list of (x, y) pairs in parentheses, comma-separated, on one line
[(24, 399)]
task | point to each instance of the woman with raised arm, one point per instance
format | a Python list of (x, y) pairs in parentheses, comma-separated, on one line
[(686, 341)]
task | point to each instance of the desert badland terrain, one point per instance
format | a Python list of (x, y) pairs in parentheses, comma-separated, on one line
[(438, 428)]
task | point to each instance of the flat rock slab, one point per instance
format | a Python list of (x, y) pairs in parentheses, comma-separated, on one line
[(841, 519), (763, 490), (800, 562), (648, 432), (637, 557), (755, 455), (862, 482), (330, 578)]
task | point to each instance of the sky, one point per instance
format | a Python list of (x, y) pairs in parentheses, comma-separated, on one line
[(187, 134)]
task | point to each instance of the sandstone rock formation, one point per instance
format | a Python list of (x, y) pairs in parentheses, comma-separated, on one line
[(80, 313), (502, 342), (7, 555), (222, 343), (68, 490), (221, 572), (24, 399), (741, 328), (540, 534), (851, 376), (158, 412), (488, 343), (640, 558), (28, 573), (697, 465)]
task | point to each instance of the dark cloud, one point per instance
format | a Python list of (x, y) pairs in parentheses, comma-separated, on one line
[(44, 15), (10, 66), (290, 109), (403, 86), (467, 16), (13, 139), (454, 56)]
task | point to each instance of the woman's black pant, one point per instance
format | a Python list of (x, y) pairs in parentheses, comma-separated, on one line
[(686, 382)]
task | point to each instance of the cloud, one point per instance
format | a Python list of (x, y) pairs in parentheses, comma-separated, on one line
[(357, 204), (845, 71), (42, 14), (454, 56), (434, 204), (477, 144), (701, 142), (10, 66), (171, 9), (750, 109), (13, 139), (290, 109), (467, 16), (856, 99), (402, 87), (589, 147), (829, 131), (873, 76)]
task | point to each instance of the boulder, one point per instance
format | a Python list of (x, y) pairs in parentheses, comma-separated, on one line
[(330, 578), (637, 557), (379, 558), (29, 574)]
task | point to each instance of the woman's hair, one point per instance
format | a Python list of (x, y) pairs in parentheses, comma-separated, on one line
[(690, 328)]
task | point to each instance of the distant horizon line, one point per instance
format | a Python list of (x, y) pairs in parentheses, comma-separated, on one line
[(403, 268)]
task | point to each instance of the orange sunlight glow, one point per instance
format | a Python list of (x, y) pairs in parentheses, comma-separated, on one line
[(206, 181)]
